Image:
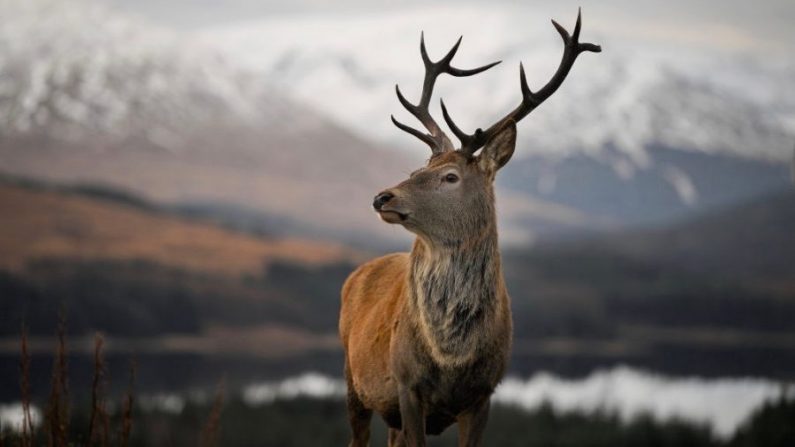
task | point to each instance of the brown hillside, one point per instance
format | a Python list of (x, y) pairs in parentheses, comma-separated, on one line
[(38, 224)]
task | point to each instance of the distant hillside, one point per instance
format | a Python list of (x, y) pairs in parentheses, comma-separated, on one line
[(676, 184), (125, 266), (756, 239), (41, 224), (707, 295), (713, 296), (752, 241)]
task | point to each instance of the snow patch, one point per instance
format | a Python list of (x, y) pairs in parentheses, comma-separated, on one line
[(722, 404), (12, 417), (681, 183), (307, 385)]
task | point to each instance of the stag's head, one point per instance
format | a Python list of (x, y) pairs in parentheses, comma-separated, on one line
[(451, 199)]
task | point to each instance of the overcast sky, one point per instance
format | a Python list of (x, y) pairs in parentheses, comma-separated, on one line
[(752, 25)]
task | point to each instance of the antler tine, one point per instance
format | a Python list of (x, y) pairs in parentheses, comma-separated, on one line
[(462, 136), (436, 138), (428, 139), (530, 100)]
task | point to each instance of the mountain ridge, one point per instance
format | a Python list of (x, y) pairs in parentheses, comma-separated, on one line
[(636, 94)]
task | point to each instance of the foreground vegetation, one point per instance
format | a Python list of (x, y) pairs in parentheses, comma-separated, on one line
[(322, 422), (99, 420)]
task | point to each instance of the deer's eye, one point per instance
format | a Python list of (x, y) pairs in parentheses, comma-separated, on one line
[(451, 178)]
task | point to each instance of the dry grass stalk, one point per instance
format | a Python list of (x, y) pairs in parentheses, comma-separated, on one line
[(99, 422), (212, 428), (127, 407), (58, 404), (26, 437)]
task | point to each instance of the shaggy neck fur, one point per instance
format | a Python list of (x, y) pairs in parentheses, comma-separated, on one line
[(453, 293)]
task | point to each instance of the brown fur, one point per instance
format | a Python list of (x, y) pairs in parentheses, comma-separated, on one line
[(427, 334)]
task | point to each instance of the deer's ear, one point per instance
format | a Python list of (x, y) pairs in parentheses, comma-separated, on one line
[(499, 149)]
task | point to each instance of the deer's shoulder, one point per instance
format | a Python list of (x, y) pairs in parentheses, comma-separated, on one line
[(377, 270)]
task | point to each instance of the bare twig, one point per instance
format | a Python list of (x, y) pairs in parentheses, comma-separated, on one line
[(127, 407), (212, 428), (58, 405), (98, 422), (26, 437)]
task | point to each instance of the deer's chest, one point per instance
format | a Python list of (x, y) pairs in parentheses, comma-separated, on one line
[(452, 387), (454, 307), (449, 392), (458, 388)]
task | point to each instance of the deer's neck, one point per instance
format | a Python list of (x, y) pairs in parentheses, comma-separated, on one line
[(454, 294)]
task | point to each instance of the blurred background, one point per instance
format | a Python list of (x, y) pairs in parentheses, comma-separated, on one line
[(192, 179)]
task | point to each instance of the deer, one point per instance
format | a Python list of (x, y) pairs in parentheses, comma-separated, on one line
[(427, 334)]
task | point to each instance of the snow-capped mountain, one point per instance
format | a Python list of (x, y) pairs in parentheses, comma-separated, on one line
[(91, 95), (280, 116), (72, 69), (646, 130), (615, 105)]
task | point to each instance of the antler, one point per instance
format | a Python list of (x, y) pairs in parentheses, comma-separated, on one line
[(530, 100), (436, 139)]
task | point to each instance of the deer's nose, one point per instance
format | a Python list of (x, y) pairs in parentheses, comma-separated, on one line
[(381, 199)]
